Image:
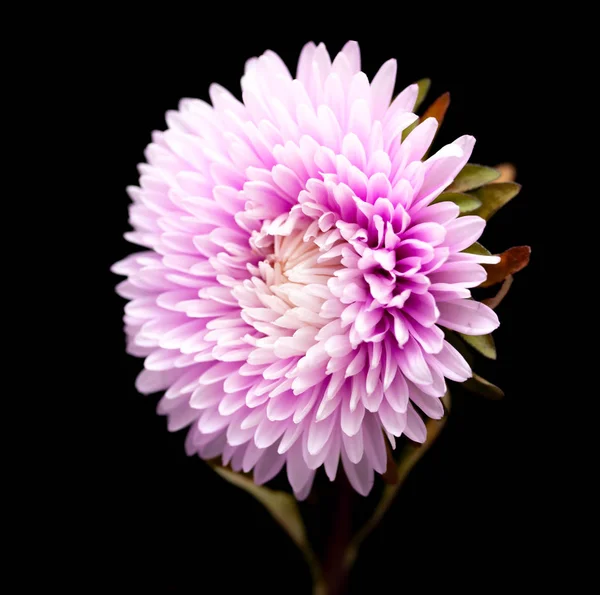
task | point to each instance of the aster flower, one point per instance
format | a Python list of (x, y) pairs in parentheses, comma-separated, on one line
[(299, 277)]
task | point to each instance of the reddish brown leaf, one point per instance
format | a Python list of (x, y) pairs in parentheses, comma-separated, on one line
[(511, 261), (437, 109)]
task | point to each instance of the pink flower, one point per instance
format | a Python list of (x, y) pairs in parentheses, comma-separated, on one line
[(296, 281)]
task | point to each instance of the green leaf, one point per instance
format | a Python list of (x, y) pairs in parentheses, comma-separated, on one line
[(424, 85), (483, 387), (494, 196), (409, 458), (465, 202), (409, 129), (482, 343), (283, 508), (477, 248), (473, 176)]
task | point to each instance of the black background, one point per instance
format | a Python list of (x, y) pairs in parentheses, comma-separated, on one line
[(473, 512)]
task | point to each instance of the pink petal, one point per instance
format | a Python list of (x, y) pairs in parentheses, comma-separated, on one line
[(305, 491), (235, 434), (353, 446), (415, 427), (212, 421), (251, 456), (299, 475), (361, 475), (268, 432), (351, 420), (382, 88), (214, 448), (374, 443), (352, 53), (462, 232), (441, 212), (465, 274), (230, 403), (218, 372), (373, 396), (392, 421), (442, 168), (452, 364), (332, 459), (468, 317), (268, 466), (430, 406), (415, 145), (181, 417), (430, 338), (319, 432), (290, 436), (404, 102), (397, 394), (282, 406), (206, 396), (413, 364), (422, 308), (149, 381)]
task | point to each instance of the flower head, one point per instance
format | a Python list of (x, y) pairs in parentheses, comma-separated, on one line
[(296, 281)]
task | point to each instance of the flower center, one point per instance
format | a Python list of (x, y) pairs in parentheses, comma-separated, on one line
[(288, 289), (298, 261)]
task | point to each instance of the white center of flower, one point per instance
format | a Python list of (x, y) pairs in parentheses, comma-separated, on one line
[(289, 289), (298, 261)]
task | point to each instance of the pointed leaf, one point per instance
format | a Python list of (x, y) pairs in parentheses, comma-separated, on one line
[(483, 387), (494, 196), (437, 109), (511, 261), (484, 344), (409, 457), (466, 202), (477, 248), (424, 85), (409, 129), (473, 176), (283, 508), (281, 505)]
